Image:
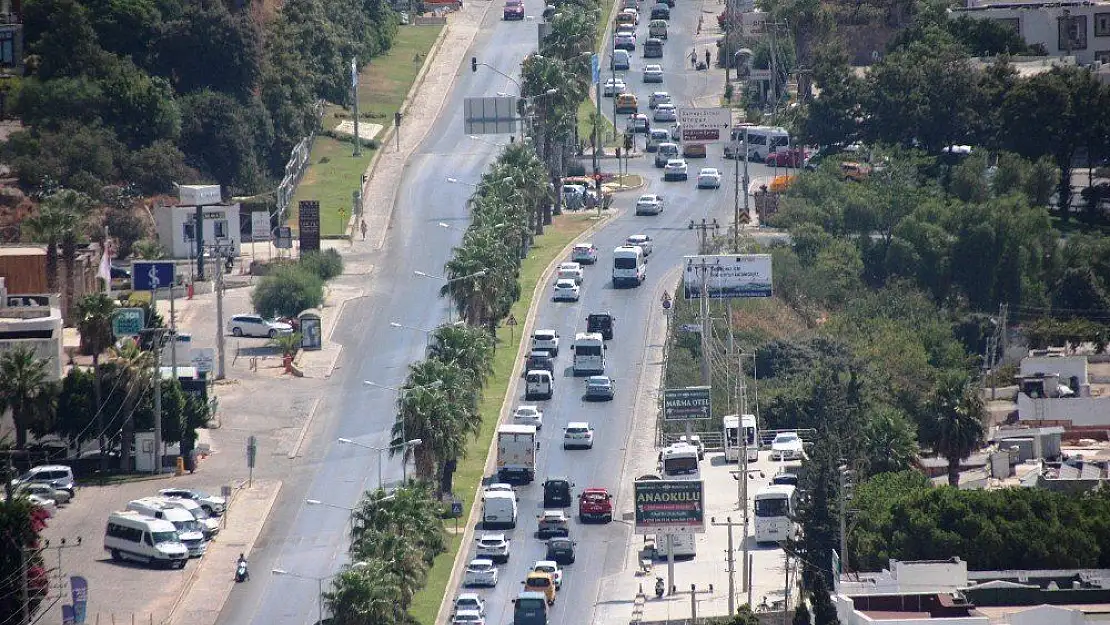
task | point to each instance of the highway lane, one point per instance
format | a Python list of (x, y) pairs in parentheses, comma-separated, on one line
[(602, 548), (311, 541)]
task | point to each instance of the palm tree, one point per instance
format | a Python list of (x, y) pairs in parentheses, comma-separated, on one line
[(954, 421), (469, 347), (403, 559), (73, 208), (410, 511), (366, 593), (26, 390), (441, 417), (48, 227), (287, 343), (94, 323)]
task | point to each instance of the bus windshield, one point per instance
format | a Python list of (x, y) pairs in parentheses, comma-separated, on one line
[(680, 466), (777, 507)]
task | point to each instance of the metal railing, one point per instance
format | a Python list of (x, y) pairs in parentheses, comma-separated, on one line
[(808, 435), (294, 170)]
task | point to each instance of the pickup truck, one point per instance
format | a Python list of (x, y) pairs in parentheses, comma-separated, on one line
[(595, 504)]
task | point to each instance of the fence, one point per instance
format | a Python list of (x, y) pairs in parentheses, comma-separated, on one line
[(294, 170)]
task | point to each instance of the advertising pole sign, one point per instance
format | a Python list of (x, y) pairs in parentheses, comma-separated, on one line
[(669, 506), (727, 276), (704, 125), (308, 223), (692, 402)]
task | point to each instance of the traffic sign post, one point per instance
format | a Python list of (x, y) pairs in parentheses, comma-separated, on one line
[(704, 125), (128, 321)]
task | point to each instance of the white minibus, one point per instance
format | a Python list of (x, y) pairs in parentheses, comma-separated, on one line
[(589, 353), (680, 462), (774, 513), (741, 431), (134, 536), (629, 268)]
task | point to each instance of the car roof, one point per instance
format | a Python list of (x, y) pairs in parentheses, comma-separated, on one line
[(468, 595), (598, 379), (578, 424), (51, 467), (638, 237), (546, 563), (528, 406), (481, 562), (493, 535), (653, 66), (709, 170), (565, 281)]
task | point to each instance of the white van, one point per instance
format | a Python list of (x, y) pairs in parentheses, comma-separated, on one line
[(589, 353), (683, 543), (498, 509), (134, 536), (188, 530), (539, 385), (764, 140), (209, 525), (629, 268)]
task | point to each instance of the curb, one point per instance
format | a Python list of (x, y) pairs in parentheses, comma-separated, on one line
[(506, 405), (296, 450), (390, 130)]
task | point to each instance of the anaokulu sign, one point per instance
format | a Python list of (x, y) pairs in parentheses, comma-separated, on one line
[(669, 506)]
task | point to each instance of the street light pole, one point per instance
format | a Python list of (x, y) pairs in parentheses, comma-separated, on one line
[(381, 451)]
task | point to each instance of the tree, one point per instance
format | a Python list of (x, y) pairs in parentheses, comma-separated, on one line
[(288, 344), (94, 323), (139, 366), (229, 63), (76, 407), (953, 421), (1079, 293), (367, 594), (327, 264), (221, 137), (287, 292), (83, 157), (60, 34), (889, 441), (466, 346), (71, 209), (49, 226), (26, 390), (20, 525)]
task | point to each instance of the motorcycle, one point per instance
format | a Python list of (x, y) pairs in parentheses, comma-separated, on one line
[(659, 587), (241, 572)]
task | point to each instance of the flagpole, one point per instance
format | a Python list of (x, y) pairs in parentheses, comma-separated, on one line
[(105, 269)]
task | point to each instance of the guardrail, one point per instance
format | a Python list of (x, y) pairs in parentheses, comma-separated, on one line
[(808, 435), (713, 441)]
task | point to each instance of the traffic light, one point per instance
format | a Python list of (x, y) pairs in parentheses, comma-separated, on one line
[(397, 119), (618, 152), (474, 64), (627, 141)]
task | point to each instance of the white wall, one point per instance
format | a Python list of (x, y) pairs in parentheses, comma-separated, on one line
[(49, 349), (1066, 366), (1039, 25), (1078, 410), (171, 220)]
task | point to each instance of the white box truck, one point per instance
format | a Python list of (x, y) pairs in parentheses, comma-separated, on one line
[(516, 454)]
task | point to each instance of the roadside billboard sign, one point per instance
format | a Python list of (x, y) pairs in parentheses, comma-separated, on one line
[(692, 402), (704, 125), (727, 276), (260, 226), (669, 506), (128, 321), (151, 275)]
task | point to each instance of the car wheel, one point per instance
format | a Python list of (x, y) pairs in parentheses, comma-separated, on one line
[(236, 331), (116, 556), (272, 333)]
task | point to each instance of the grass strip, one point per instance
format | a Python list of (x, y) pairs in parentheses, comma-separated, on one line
[(471, 468), (334, 173)]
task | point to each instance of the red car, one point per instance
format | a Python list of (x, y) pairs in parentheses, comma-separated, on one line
[(595, 504), (787, 158), (514, 10)]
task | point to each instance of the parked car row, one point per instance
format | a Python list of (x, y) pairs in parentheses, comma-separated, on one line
[(166, 529), (47, 487)]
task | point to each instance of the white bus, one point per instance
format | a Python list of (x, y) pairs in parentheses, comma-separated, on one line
[(629, 268), (774, 513), (589, 353), (735, 441), (680, 462)]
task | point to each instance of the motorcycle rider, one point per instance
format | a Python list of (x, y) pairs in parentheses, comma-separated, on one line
[(241, 565), (659, 588)]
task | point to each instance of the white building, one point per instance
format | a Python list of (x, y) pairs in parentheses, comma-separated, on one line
[(1079, 28), (36, 323), (944, 592), (1055, 388), (176, 227)]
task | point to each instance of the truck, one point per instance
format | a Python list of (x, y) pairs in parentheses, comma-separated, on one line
[(516, 454), (595, 504), (601, 323)]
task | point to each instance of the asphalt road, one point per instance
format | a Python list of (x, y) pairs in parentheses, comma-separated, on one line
[(310, 540), (602, 548)]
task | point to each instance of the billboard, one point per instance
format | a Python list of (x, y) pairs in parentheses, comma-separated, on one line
[(308, 225), (727, 275), (151, 275), (667, 506), (692, 402), (704, 125)]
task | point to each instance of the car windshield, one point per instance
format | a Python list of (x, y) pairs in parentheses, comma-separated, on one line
[(594, 497), (576, 430), (187, 526), (539, 582), (164, 537), (624, 263), (545, 568), (480, 567), (786, 438)]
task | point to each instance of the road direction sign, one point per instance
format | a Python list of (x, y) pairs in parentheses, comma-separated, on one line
[(669, 506), (148, 275), (705, 125), (260, 226), (692, 402), (128, 321)]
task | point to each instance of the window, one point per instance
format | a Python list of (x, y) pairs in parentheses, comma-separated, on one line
[(1072, 33), (1102, 24), (189, 231), (7, 48), (219, 228), (1102, 56)]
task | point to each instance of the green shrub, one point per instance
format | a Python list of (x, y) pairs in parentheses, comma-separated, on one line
[(327, 264), (287, 291)]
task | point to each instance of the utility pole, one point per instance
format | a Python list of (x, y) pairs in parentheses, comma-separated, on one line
[(703, 270), (731, 563), (595, 63), (220, 324), (740, 190), (786, 590), (847, 477), (703, 229), (354, 100), (774, 74)]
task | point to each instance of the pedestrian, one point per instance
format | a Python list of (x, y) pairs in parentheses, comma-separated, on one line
[(707, 58), (694, 58), (362, 226)]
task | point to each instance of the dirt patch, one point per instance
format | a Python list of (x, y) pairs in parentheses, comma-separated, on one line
[(771, 317)]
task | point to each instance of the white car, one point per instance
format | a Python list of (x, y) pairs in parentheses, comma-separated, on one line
[(47, 505), (584, 253), (709, 178), (665, 113), (649, 204), (480, 572), (641, 240), (528, 415), (653, 73), (468, 617), (46, 491), (675, 169), (493, 546), (578, 435), (659, 97), (571, 270), (565, 291), (552, 567), (212, 504), (471, 601), (256, 325), (614, 87), (546, 340), (787, 446)]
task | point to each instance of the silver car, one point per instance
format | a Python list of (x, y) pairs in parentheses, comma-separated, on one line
[(256, 325)]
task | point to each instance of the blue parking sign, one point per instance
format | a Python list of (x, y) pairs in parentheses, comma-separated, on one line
[(147, 275), (595, 68)]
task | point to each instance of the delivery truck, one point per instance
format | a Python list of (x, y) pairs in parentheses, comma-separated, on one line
[(516, 453)]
